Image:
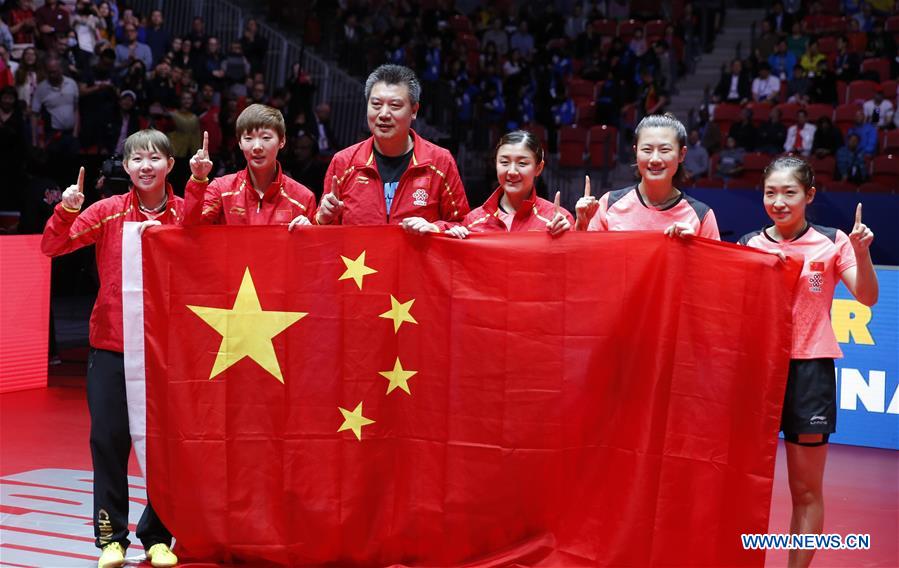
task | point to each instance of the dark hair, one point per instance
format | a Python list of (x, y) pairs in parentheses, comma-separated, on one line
[(801, 170), (395, 75), (666, 120), (521, 137)]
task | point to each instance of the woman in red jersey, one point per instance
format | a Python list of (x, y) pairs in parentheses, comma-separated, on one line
[(514, 206), (829, 255)]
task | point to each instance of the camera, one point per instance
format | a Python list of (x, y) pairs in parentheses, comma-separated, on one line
[(115, 179)]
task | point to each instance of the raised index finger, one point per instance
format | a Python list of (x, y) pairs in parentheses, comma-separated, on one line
[(205, 143), (586, 186), (81, 180), (334, 187), (858, 215), (557, 202)]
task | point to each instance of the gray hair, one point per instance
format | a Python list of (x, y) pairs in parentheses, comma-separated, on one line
[(395, 75)]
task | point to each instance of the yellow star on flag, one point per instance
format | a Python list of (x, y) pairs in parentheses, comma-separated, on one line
[(356, 269), (399, 313), (354, 420), (398, 377), (247, 330)]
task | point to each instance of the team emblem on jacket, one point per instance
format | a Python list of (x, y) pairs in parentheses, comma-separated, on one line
[(420, 197)]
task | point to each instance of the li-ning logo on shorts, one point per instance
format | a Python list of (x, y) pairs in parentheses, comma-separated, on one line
[(818, 420), (816, 278), (420, 197)]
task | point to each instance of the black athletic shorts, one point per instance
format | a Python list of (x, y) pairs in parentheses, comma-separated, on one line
[(810, 401)]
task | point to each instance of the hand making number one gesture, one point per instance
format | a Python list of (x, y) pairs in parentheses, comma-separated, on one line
[(330, 205), (559, 223), (200, 164), (861, 236), (73, 196), (586, 207)]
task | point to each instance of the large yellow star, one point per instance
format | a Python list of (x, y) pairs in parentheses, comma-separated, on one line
[(354, 420), (399, 313), (398, 377), (356, 269), (247, 330)]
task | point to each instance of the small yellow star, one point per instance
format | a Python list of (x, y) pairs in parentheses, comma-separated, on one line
[(356, 269), (354, 420), (399, 313), (398, 377), (246, 329)]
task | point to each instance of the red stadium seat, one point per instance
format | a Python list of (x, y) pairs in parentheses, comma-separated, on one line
[(825, 168), (890, 142), (816, 111), (572, 146), (844, 116), (788, 112), (655, 28), (830, 7), (760, 113), (892, 24), (725, 115), (606, 28), (460, 24), (879, 65), (827, 44), (582, 91), (603, 146), (890, 89), (586, 114), (861, 91), (754, 164), (885, 169)]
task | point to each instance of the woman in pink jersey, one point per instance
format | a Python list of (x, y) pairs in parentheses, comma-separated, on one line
[(514, 206), (653, 204), (809, 410)]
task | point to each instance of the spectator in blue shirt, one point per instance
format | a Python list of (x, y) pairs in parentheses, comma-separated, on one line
[(866, 132), (851, 161), (782, 61)]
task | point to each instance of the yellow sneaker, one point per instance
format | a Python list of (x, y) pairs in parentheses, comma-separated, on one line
[(113, 556), (161, 556)]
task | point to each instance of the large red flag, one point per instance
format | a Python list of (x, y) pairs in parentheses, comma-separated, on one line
[(363, 396)]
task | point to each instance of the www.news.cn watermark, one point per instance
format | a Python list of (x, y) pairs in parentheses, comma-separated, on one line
[(806, 541)]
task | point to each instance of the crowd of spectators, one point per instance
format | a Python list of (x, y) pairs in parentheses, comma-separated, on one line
[(820, 82), (506, 65), (78, 77)]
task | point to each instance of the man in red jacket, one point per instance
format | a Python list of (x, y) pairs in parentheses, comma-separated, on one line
[(395, 176), (260, 194), (148, 160)]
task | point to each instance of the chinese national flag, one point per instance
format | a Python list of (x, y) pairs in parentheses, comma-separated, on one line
[(360, 396)]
